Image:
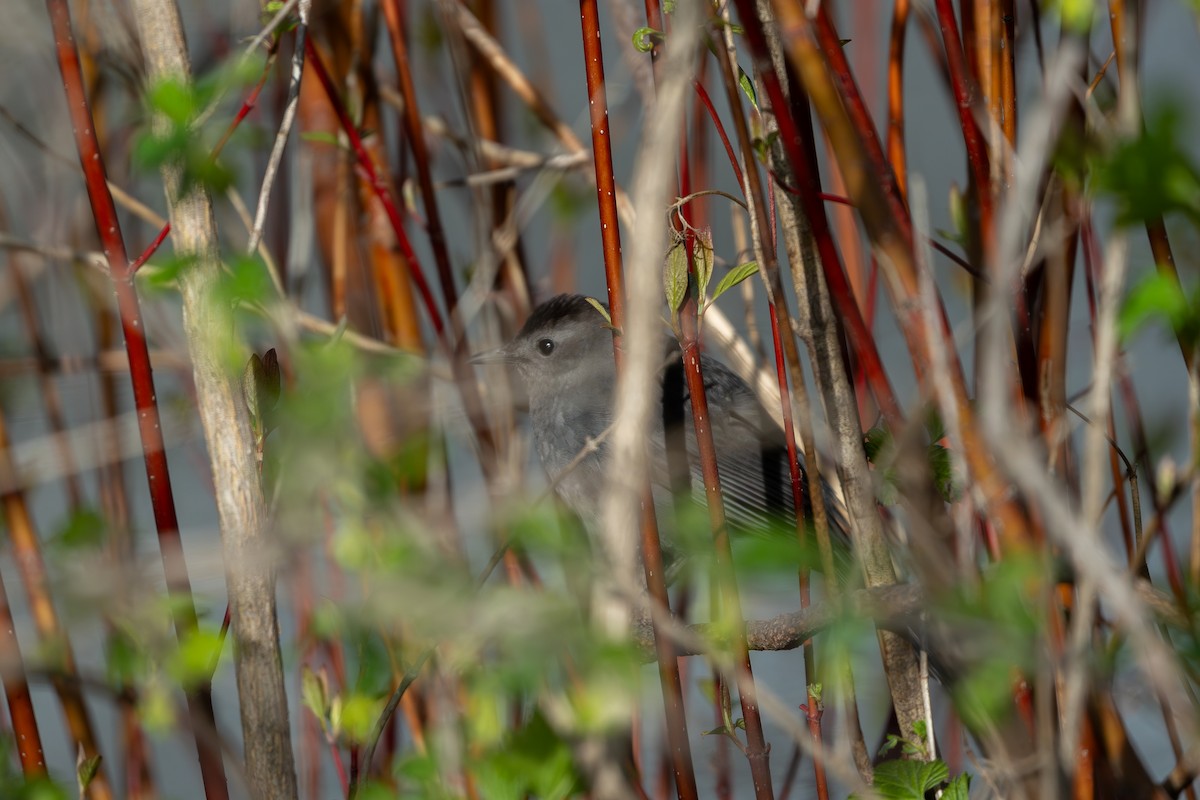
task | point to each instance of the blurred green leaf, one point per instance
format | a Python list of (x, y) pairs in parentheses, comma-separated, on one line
[(245, 281), (125, 663), (537, 529), (1159, 296), (878, 447), (776, 552), (156, 706), (374, 662), (1076, 15), (356, 715), (533, 760), (84, 529), (173, 99), (163, 272), (314, 694), (568, 201), (1151, 175), (192, 663), (321, 137)]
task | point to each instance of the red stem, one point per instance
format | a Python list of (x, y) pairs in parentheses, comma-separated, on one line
[(16, 692), (377, 185), (674, 706), (416, 140), (802, 158), (757, 751), (706, 101), (964, 96), (151, 249), (606, 184), (247, 106), (108, 227), (856, 108)]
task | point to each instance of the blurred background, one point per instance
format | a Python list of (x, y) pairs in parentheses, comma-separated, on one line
[(374, 439)]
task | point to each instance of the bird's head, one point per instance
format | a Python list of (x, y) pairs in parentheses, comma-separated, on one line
[(565, 345)]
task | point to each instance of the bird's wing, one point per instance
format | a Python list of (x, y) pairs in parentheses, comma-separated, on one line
[(752, 456)]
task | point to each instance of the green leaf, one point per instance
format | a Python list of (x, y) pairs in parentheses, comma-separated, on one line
[(909, 780), (1153, 174), (958, 789), (193, 662), (943, 472), (568, 201), (164, 274), (151, 151), (321, 137), (314, 693), (596, 304), (260, 389), (960, 230), (246, 281), (733, 278), (747, 87), (84, 529), (675, 279), (125, 663), (875, 442), (1077, 15), (85, 771), (173, 99), (156, 706), (1157, 295), (358, 715), (702, 261)]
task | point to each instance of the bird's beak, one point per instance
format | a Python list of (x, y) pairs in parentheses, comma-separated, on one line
[(498, 356)]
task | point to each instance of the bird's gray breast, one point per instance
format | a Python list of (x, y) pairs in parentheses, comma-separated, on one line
[(567, 439)]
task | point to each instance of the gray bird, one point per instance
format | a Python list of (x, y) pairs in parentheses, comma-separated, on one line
[(564, 358)]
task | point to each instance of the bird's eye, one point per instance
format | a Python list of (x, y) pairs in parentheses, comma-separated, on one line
[(545, 346)]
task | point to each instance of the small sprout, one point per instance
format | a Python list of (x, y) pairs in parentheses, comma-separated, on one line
[(702, 261), (675, 280), (748, 87), (260, 390), (596, 304), (85, 770), (958, 215), (646, 39), (314, 693)]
